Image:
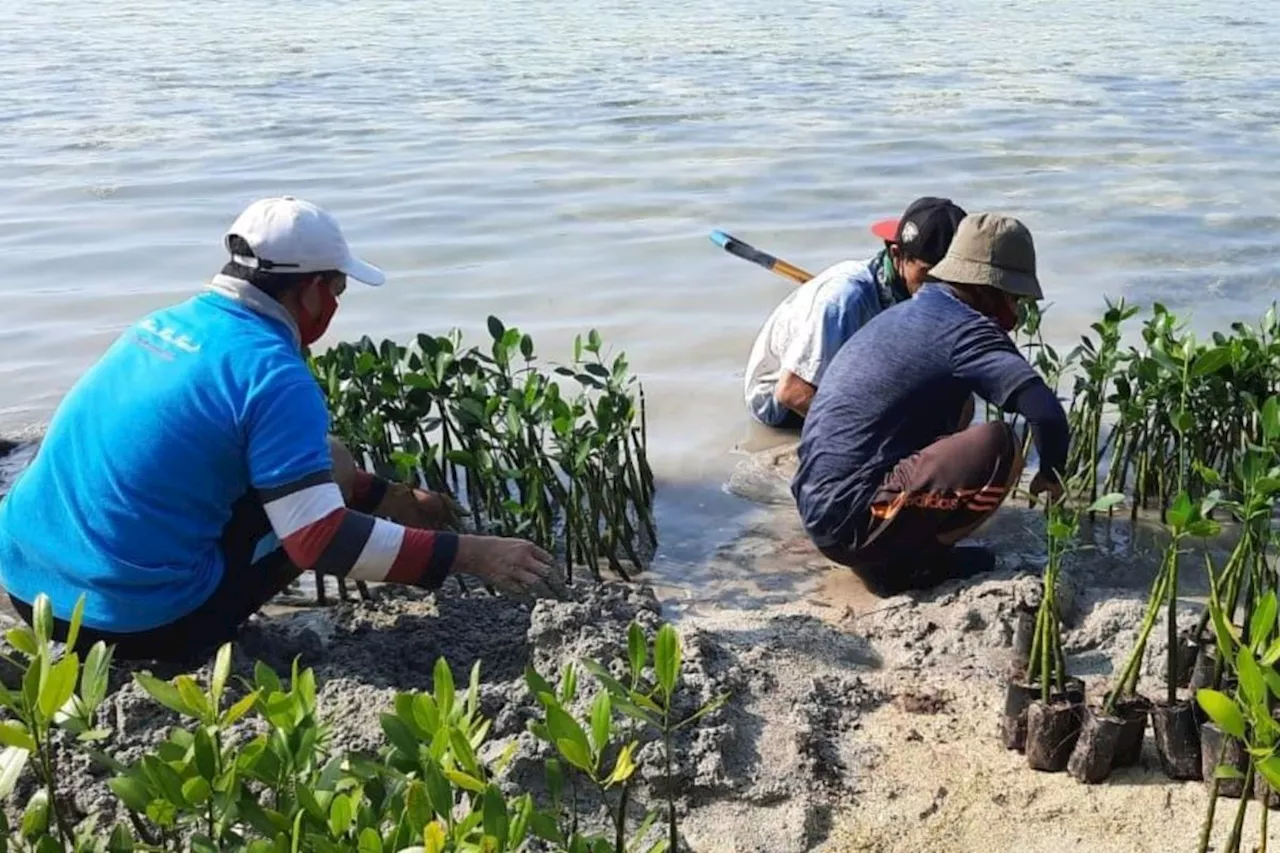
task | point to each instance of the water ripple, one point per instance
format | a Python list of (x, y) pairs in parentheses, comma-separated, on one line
[(561, 164)]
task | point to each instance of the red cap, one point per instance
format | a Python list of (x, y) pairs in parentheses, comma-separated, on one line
[(886, 229)]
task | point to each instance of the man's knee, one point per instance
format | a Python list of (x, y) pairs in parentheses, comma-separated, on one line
[(344, 468)]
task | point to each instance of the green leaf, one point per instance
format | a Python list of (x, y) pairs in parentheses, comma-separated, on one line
[(1226, 771), (61, 684), (35, 820), (42, 618), (464, 780), (623, 768), (496, 329), (537, 684), (193, 697), (163, 692), (568, 683), (341, 813), (442, 680), (1273, 653), (1181, 512), (544, 826), (1211, 361), (1270, 769), (1271, 418), (221, 671), (495, 815), (1203, 528), (94, 675), (164, 778), (266, 679), (306, 686), (31, 682), (399, 735), (714, 705), (563, 727), (23, 639), (1224, 712), (637, 650), (1106, 502), (77, 618), (1263, 623), (433, 838), (13, 760), (425, 713), (196, 790), (1211, 477), (370, 841), (666, 658), (1251, 682), (130, 791), (14, 734), (310, 802), (205, 753), (575, 753), (601, 720), (433, 797), (121, 839), (239, 709), (462, 752)]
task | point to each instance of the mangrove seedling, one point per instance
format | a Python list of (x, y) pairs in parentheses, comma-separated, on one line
[(48, 699), (651, 698), (1247, 716)]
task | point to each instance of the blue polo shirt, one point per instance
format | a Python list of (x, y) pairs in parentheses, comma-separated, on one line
[(127, 497)]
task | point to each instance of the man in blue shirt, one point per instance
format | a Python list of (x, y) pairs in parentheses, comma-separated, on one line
[(805, 331), (886, 484), (200, 432)]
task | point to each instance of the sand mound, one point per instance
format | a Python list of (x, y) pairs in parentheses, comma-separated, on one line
[(769, 771)]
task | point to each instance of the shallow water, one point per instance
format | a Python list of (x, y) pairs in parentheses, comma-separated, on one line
[(561, 165)]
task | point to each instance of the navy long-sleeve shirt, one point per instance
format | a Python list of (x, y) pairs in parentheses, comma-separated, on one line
[(896, 387)]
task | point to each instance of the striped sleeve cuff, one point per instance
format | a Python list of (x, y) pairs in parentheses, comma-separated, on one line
[(318, 531)]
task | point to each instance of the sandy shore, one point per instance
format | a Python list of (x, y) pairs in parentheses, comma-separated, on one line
[(856, 723)]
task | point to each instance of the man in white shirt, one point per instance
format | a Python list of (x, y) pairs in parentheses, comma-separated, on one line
[(803, 333)]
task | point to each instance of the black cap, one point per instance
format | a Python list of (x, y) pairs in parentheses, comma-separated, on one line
[(925, 229)]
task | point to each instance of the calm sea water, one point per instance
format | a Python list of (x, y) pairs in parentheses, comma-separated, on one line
[(561, 164)]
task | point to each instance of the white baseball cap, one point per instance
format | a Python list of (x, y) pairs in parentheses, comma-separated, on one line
[(294, 236)]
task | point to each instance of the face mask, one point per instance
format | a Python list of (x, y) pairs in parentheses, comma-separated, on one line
[(310, 329), (1006, 313)]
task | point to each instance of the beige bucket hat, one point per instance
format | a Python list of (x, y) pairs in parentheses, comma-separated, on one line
[(991, 250)]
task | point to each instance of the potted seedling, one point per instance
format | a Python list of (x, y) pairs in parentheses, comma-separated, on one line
[(1043, 709), (1250, 734)]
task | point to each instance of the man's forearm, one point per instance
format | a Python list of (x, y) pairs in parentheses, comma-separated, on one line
[(1048, 421), (319, 532), (794, 393)]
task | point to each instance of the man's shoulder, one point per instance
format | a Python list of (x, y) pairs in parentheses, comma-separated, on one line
[(847, 273), (844, 283)]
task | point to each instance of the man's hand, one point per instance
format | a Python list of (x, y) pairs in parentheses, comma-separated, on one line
[(515, 566), (1042, 483), (794, 393), (418, 508)]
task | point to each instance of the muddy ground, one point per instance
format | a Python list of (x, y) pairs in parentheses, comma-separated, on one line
[(854, 724)]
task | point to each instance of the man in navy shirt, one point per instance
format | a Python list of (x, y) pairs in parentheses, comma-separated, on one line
[(198, 434), (886, 483)]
